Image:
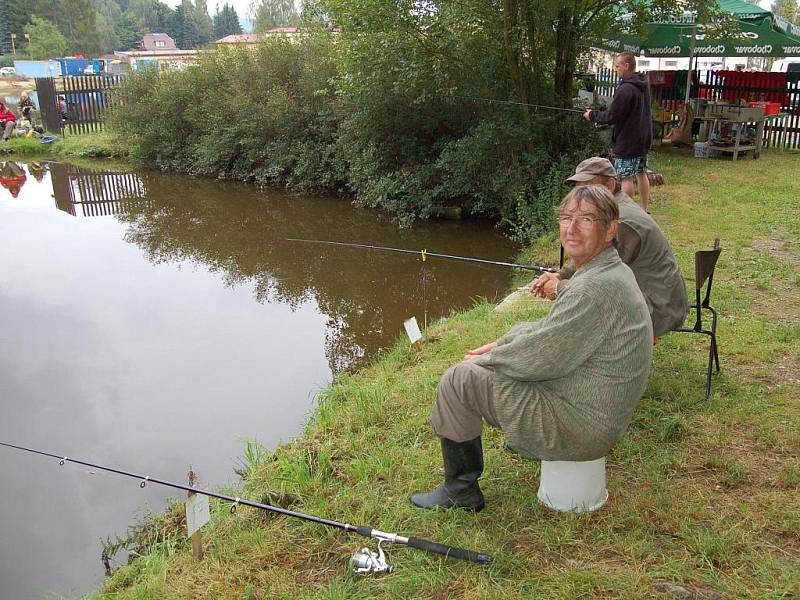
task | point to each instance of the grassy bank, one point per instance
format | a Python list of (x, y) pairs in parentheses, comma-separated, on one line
[(704, 495), (102, 144)]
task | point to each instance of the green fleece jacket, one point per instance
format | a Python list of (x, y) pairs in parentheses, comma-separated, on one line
[(566, 386)]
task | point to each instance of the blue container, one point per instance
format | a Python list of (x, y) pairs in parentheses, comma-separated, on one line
[(73, 66), (38, 68)]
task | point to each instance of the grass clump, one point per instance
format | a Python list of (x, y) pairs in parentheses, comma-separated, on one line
[(99, 144), (703, 494)]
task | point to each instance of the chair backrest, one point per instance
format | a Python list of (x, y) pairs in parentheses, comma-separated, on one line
[(705, 261)]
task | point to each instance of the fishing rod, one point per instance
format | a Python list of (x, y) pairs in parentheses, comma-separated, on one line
[(424, 254), (545, 106), (363, 561)]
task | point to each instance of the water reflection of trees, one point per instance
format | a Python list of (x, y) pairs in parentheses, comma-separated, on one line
[(241, 234)]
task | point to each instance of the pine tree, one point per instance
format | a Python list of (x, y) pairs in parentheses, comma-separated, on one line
[(205, 27), (17, 15), (184, 28), (5, 32), (274, 13), (129, 30), (226, 21)]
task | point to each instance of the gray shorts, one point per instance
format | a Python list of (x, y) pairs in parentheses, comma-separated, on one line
[(464, 399)]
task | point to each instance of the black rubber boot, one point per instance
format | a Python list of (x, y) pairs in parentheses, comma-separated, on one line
[(463, 464)]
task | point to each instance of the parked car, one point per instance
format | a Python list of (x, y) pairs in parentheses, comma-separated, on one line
[(8, 71)]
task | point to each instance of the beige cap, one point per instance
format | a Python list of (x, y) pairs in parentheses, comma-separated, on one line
[(591, 168)]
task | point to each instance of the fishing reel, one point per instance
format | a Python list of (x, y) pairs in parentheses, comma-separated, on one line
[(364, 561)]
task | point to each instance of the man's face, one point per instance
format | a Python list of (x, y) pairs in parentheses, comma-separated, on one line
[(622, 68), (585, 235)]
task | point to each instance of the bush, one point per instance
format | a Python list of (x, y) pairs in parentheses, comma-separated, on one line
[(309, 116)]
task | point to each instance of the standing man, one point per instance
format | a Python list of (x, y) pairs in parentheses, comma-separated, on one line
[(630, 115), (561, 388), (641, 245)]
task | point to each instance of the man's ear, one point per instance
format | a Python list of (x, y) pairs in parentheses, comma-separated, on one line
[(612, 231)]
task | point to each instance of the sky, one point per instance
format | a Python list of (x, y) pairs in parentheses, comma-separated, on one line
[(242, 7)]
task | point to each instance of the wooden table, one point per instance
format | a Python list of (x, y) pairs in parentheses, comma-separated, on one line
[(717, 122)]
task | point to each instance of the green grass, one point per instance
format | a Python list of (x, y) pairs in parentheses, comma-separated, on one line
[(704, 495), (102, 144)]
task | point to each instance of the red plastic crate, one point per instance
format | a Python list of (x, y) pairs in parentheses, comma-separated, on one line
[(770, 108)]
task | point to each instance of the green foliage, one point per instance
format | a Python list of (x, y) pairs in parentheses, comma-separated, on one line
[(14, 15), (129, 30), (278, 131), (273, 13), (46, 39), (787, 9), (226, 21), (75, 19), (342, 117)]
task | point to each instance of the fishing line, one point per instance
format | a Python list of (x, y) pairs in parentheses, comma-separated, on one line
[(545, 106), (425, 253), (363, 561)]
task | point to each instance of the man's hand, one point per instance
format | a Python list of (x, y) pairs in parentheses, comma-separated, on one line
[(546, 286), (478, 351), (588, 115)]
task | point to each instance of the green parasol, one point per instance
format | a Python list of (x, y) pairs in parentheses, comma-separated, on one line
[(762, 34)]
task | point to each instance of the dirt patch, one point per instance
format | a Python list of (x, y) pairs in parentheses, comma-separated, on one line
[(776, 248), (787, 370), (14, 86)]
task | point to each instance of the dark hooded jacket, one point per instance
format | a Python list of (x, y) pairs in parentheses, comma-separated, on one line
[(630, 115)]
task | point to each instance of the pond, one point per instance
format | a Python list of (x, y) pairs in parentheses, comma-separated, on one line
[(154, 322)]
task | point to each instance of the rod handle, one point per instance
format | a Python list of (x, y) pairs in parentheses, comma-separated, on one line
[(449, 551)]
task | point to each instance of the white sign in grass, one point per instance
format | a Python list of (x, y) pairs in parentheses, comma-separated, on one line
[(412, 330), (197, 513)]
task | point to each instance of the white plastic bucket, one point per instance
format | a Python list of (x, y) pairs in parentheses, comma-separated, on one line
[(573, 486), (701, 150)]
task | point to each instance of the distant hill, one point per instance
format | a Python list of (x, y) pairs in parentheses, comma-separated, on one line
[(247, 25)]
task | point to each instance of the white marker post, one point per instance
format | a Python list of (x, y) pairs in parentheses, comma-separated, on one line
[(413, 332), (197, 515)]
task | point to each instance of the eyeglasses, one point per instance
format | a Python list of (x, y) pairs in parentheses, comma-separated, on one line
[(581, 221)]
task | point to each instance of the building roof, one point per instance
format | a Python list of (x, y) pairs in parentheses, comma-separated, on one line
[(254, 38), (150, 42)]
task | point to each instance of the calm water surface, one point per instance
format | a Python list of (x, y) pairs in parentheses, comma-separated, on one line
[(152, 322)]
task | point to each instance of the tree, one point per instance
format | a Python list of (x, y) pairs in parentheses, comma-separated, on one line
[(108, 15), (155, 16), (184, 27), (226, 21), (787, 9), (75, 19), (203, 22), (46, 41), (273, 13), (14, 15), (129, 30), (5, 31)]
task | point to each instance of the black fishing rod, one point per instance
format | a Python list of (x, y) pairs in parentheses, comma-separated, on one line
[(424, 254), (491, 100), (366, 560)]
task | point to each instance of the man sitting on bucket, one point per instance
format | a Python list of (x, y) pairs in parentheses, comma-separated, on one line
[(563, 387), (641, 245)]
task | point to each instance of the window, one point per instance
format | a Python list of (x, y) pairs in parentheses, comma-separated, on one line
[(670, 63), (159, 43), (644, 63)]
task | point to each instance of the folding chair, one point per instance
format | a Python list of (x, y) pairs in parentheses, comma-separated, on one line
[(704, 263)]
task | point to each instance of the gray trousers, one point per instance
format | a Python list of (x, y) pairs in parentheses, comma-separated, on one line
[(464, 399), (8, 128)]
